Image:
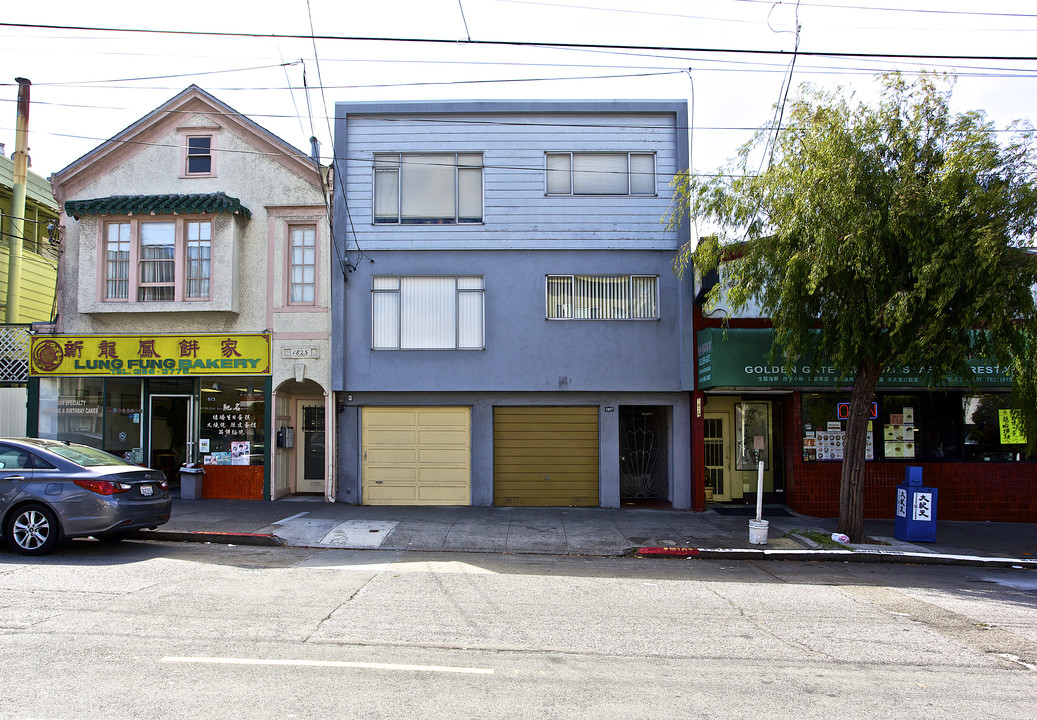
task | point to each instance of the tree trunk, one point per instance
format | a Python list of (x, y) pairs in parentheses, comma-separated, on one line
[(851, 482)]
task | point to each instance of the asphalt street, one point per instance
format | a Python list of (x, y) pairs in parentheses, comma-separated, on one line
[(172, 630)]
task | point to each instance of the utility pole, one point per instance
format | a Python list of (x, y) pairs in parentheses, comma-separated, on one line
[(17, 223)]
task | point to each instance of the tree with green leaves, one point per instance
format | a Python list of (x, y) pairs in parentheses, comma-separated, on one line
[(896, 233)]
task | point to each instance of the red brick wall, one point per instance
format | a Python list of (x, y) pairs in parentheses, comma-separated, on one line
[(1003, 492)]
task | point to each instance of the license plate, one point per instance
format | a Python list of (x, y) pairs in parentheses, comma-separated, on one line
[(147, 490)]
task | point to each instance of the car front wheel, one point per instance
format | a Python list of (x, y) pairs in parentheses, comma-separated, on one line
[(32, 530)]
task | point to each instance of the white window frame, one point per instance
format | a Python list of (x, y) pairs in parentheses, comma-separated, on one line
[(292, 266), (121, 264), (185, 156), (135, 259), (389, 166), (571, 191), (616, 299), (388, 295)]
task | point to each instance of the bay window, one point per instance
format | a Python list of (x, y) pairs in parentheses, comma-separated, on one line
[(157, 260)]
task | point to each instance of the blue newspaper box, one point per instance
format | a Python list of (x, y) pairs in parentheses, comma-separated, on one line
[(915, 519)]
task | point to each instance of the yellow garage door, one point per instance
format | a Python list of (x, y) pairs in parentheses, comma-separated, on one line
[(417, 456), (545, 456)]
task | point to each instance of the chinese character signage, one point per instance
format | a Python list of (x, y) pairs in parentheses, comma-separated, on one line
[(141, 355), (1011, 422), (923, 507)]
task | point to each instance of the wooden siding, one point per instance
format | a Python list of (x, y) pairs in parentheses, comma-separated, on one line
[(545, 456), (38, 282), (517, 213)]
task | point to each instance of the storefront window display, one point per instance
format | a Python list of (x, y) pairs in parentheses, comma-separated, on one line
[(232, 418), (920, 427), (990, 431), (824, 427), (72, 408)]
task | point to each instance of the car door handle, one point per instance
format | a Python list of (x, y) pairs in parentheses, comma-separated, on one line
[(13, 477)]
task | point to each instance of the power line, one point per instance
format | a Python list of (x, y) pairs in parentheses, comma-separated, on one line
[(525, 43)]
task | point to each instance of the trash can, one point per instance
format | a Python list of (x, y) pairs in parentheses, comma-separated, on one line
[(191, 482), (915, 519)]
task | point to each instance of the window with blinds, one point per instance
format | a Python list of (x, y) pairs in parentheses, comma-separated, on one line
[(600, 173), (602, 297), (199, 259), (427, 313), (117, 262), (157, 280), (428, 188)]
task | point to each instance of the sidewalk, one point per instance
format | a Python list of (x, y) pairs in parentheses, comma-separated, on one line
[(311, 522)]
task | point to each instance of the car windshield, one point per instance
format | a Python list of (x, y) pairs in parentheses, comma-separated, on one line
[(86, 456)]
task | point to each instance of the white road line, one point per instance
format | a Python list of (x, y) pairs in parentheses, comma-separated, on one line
[(290, 518), (330, 664)]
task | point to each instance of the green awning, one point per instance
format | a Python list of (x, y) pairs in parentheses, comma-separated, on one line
[(739, 358), (171, 204)]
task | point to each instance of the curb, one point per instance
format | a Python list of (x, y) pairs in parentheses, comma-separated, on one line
[(861, 556), (200, 536)]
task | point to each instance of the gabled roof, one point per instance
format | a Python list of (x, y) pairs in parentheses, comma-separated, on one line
[(169, 115), (171, 204)]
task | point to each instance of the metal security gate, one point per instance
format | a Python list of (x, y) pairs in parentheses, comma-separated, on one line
[(717, 456)]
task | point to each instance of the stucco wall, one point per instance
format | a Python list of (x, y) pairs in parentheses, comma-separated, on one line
[(249, 291)]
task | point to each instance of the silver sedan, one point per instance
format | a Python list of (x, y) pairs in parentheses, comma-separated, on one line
[(52, 491)]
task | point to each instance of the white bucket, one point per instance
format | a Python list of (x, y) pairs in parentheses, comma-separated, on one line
[(758, 532)]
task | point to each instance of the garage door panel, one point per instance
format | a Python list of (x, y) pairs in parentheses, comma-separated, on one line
[(545, 456), (422, 456), (390, 495), (444, 438), (395, 436), (392, 474)]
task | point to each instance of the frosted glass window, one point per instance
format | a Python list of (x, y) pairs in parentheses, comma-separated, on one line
[(642, 174), (428, 188), (602, 173)]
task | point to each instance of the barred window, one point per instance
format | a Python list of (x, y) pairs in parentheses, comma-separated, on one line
[(602, 297)]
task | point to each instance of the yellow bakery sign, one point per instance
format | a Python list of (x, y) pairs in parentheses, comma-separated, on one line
[(150, 355)]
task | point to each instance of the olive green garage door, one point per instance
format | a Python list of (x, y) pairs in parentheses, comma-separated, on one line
[(417, 456), (545, 456)]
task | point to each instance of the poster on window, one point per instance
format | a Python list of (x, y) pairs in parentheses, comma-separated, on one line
[(240, 453), (830, 445), (1010, 423)]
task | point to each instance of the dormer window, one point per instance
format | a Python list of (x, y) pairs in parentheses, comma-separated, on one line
[(199, 160)]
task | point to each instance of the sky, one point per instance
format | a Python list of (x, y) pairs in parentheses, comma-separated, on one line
[(730, 59)]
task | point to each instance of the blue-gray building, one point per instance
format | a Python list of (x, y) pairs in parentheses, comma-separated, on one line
[(507, 326)]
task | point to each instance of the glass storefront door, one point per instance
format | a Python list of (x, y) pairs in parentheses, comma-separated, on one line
[(171, 442)]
